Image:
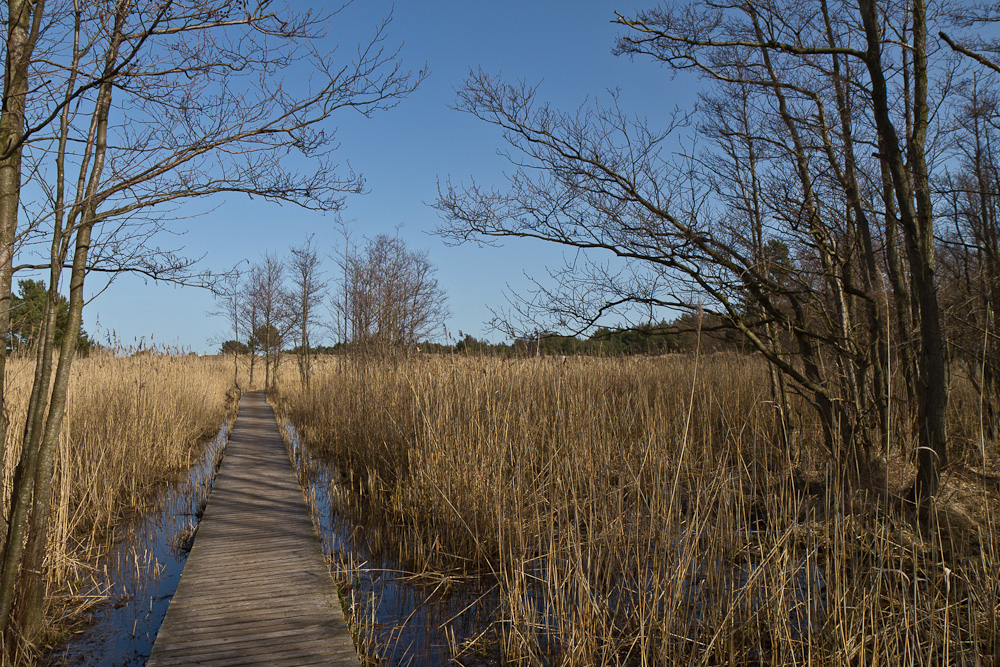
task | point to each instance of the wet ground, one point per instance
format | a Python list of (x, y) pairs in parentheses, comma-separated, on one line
[(143, 569), (405, 619), (411, 620)]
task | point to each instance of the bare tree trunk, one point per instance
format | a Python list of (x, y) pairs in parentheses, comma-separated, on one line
[(23, 19), (901, 301), (32, 587), (307, 294), (236, 370), (23, 566), (910, 184), (267, 367)]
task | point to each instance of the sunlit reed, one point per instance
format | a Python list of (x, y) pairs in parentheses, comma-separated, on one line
[(641, 511), (134, 423)]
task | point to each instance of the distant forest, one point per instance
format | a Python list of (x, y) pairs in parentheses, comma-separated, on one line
[(677, 336)]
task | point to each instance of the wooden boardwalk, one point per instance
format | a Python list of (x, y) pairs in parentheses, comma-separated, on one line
[(255, 589)]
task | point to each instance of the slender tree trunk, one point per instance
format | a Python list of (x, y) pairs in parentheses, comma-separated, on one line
[(23, 567), (32, 578), (23, 19), (236, 369), (779, 397), (304, 343), (24, 481), (901, 301), (913, 198), (267, 366), (275, 360)]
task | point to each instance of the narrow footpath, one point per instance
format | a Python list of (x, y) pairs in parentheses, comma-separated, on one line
[(255, 588)]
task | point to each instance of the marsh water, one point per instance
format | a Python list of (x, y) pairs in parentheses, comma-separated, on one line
[(431, 621), (412, 620), (141, 572), (405, 618)]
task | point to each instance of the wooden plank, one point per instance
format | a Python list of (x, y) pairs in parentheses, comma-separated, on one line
[(255, 589)]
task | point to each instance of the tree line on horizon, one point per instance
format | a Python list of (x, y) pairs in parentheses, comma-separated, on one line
[(114, 113), (382, 297), (682, 335)]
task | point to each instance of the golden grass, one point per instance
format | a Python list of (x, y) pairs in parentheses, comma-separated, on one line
[(133, 424), (639, 511)]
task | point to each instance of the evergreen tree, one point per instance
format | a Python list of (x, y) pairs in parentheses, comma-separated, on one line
[(27, 312)]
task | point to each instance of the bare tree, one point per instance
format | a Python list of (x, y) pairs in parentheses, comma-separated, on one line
[(251, 317), (809, 212), (971, 243), (230, 298), (274, 318), (308, 290), (971, 193), (390, 297), (153, 103), (23, 22), (340, 306)]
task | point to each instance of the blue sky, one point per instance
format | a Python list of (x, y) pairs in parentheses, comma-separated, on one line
[(564, 46)]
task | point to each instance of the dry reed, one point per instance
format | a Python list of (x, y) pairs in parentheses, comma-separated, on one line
[(133, 424), (640, 511)]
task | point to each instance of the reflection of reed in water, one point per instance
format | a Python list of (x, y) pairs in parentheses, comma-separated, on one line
[(134, 579), (642, 511), (397, 616), (136, 420)]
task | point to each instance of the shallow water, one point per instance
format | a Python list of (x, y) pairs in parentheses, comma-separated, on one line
[(425, 622), (143, 570), (413, 621)]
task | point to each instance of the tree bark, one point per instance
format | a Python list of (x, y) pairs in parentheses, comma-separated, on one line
[(23, 19), (32, 587), (913, 199), (23, 568)]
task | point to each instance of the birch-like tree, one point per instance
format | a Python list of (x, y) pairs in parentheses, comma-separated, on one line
[(273, 319), (390, 297), (804, 218), (230, 299), (145, 104), (306, 293)]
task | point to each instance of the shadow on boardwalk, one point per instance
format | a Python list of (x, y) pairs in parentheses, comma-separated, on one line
[(255, 589)]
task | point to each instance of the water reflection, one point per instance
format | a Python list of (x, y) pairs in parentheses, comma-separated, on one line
[(431, 619), (405, 618), (142, 570)]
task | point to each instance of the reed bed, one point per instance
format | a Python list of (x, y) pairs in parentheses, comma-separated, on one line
[(133, 425), (641, 511)]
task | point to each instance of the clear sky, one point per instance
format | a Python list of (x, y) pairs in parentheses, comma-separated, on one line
[(564, 46)]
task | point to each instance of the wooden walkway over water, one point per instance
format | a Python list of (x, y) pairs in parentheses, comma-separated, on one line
[(255, 588)]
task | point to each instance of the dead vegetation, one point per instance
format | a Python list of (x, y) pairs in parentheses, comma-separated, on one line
[(133, 425), (640, 511)]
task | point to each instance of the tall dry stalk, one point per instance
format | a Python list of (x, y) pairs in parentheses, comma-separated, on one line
[(563, 481), (133, 424)]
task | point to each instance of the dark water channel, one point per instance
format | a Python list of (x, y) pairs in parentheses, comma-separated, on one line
[(411, 621), (422, 622), (143, 569), (404, 619)]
